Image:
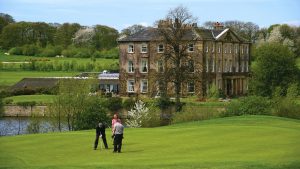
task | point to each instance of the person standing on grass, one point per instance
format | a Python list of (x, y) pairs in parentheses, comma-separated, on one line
[(114, 120), (118, 136), (100, 132)]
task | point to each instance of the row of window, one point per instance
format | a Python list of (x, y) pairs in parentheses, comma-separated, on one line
[(144, 86), (228, 48), (190, 48), (210, 66), (228, 66)]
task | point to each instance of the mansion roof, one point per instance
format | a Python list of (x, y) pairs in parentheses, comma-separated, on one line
[(152, 34)]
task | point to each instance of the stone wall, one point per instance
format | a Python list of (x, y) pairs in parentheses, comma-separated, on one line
[(12, 110)]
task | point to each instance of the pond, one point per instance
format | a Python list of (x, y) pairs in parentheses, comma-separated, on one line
[(10, 126)]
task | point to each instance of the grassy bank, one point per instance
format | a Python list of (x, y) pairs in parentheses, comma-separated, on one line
[(41, 99), (11, 77), (245, 142)]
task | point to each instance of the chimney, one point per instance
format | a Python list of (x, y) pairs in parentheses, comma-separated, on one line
[(218, 26)]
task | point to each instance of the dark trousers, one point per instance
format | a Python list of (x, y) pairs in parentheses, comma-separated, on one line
[(103, 139), (118, 142)]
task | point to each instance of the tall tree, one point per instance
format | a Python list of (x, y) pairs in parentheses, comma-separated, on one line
[(105, 37), (173, 30), (65, 33), (275, 66), (132, 29)]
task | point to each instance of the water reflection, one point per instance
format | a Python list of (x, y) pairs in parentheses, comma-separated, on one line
[(18, 125)]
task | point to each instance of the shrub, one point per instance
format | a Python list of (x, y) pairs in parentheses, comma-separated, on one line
[(1, 107), (30, 50), (83, 53), (94, 112), (97, 54), (164, 103), (26, 103), (213, 93), (128, 103), (8, 101), (252, 105), (49, 51), (113, 103), (34, 125), (293, 90), (286, 107), (15, 51), (137, 115), (195, 113), (70, 52)]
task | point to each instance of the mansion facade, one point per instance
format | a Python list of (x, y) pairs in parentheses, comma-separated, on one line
[(221, 54)]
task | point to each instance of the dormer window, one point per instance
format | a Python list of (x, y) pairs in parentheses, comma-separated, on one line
[(130, 48), (160, 48), (144, 48), (191, 48)]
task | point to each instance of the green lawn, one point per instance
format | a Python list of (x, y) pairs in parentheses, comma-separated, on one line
[(247, 142), (8, 78), (36, 98), (22, 58)]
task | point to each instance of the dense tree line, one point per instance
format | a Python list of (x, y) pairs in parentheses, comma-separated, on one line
[(43, 39)]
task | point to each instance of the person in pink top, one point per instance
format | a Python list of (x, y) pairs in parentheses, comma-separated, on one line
[(114, 121)]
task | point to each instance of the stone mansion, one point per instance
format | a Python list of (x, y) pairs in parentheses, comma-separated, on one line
[(224, 56)]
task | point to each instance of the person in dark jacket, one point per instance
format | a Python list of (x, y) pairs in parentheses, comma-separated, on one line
[(100, 132)]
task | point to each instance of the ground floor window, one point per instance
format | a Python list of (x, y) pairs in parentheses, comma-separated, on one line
[(191, 87), (144, 86)]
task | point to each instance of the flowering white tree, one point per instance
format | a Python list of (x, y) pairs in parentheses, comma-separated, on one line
[(84, 36), (137, 115)]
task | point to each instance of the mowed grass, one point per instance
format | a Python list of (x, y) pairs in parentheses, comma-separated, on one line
[(22, 58), (36, 98), (246, 142), (8, 78)]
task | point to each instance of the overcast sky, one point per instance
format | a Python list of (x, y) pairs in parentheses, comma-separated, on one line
[(122, 13)]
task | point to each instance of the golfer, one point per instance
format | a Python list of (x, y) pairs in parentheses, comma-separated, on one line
[(118, 136), (100, 132)]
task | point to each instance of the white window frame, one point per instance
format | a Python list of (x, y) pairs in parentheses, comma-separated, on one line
[(247, 49), (242, 49), (213, 48), (191, 47), (142, 85), (142, 66), (189, 85), (247, 66), (219, 48), (206, 48), (160, 66), (144, 46), (236, 49), (130, 48), (130, 67), (159, 49), (130, 87), (225, 48), (230, 46)]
